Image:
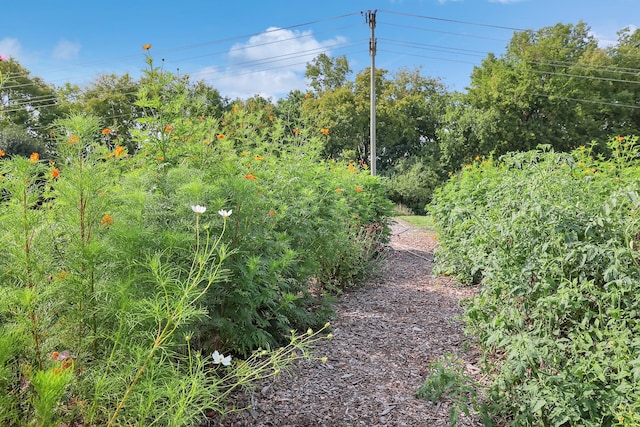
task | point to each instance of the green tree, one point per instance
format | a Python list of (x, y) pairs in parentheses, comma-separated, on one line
[(554, 86), (326, 73), (27, 101), (112, 98), (16, 141)]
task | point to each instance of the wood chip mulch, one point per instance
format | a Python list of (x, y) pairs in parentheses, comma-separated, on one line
[(386, 332)]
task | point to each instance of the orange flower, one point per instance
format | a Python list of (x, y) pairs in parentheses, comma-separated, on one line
[(220, 136), (73, 139), (250, 176), (55, 173), (271, 118), (160, 158), (620, 138), (324, 131), (272, 212), (2, 153), (146, 46), (106, 131), (168, 128), (258, 158), (55, 355), (34, 157), (358, 189), (118, 151), (338, 190), (296, 131), (307, 95), (106, 220)]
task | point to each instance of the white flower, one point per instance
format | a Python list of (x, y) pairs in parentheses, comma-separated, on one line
[(224, 213), (220, 358), (198, 209)]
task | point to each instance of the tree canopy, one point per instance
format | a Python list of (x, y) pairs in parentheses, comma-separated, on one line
[(556, 86)]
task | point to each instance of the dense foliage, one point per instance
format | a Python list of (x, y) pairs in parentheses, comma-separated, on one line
[(123, 271), (555, 85), (552, 238), (115, 262)]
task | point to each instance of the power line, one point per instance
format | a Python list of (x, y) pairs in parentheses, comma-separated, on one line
[(477, 24), (239, 65), (590, 101), (449, 33), (207, 43)]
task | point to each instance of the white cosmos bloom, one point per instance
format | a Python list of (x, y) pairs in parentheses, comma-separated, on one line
[(224, 213), (198, 209), (220, 358)]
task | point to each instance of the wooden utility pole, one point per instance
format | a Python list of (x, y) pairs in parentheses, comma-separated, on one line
[(371, 20)]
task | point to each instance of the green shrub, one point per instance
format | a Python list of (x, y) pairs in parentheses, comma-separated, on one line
[(125, 271), (551, 238)]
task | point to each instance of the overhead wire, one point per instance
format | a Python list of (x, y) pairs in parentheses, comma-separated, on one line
[(287, 58), (207, 43)]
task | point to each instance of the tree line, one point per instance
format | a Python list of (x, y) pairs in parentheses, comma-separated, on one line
[(555, 86)]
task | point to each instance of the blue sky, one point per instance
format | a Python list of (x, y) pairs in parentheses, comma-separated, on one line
[(244, 47)]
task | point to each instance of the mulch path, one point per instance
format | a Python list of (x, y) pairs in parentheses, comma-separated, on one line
[(386, 333)]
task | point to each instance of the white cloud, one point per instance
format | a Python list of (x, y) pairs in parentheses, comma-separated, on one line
[(269, 64), (65, 50), (11, 48)]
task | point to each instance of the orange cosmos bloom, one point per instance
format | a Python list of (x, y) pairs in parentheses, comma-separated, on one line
[(324, 131), (55, 173), (620, 138), (272, 212), (271, 118), (296, 131), (146, 46), (2, 153), (34, 157), (73, 139), (55, 355), (168, 128), (106, 131), (358, 189), (106, 220), (250, 176), (220, 136), (338, 190), (258, 158), (118, 151)]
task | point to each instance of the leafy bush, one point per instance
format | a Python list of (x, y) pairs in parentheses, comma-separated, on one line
[(552, 238), (120, 276)]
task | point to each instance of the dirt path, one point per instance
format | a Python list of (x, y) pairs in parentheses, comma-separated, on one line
[(385, 335)]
